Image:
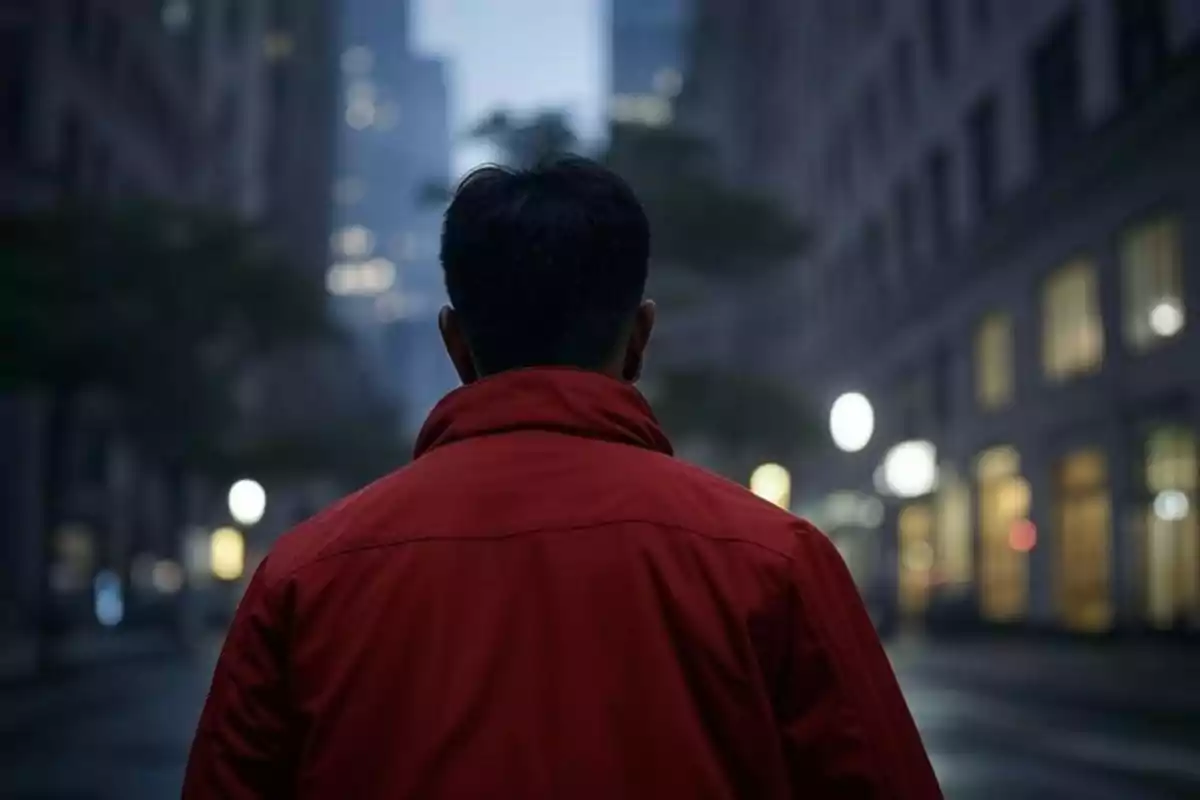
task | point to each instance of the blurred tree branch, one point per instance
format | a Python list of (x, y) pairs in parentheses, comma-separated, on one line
[(165, 308)]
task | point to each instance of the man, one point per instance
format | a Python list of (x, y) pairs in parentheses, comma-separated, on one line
[(546, 604)]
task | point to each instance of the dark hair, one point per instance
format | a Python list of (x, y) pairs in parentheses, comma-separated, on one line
[(545, 266)]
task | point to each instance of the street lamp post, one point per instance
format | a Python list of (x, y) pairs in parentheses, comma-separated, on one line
[(851, 422), (910, 469), (247, 502)]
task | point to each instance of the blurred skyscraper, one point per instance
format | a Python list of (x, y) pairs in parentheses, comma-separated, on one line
[(395, 157), (647, 41), (1005, 199)]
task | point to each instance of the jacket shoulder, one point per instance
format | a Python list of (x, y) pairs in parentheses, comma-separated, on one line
[(321, 534), (718, 508)]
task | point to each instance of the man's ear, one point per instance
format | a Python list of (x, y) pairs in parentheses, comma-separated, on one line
[(639, 340), (457, 347)]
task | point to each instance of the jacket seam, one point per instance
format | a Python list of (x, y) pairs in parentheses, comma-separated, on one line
[(816, 625), (787, 557)]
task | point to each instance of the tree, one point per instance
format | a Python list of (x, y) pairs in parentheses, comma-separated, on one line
[(526, 142), (710, 239), (159, 307)]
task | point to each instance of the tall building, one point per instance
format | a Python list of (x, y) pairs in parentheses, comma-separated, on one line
[(214, 102), (394, 146), (300, 47), (1005, 195), (647, 41), (98, 106)]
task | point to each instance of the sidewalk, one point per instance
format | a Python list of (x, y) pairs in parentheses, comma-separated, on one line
[(83, 649), (1158, 674)]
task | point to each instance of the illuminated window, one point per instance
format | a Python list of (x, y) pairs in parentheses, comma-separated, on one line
[(954, 551), (278, 45), (642, 109), (1072, 332), (994, 361), (915, 527), (176, 15), (1172, 533), (1003, 506), (1084, 541), (1151, 263)]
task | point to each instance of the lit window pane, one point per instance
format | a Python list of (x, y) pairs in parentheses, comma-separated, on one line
[(994, 361), (1151, 264), (1072, 331), (1084, 541)]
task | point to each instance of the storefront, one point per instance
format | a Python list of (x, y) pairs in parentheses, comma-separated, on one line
[(1006, 535), (1083, 542), (1171, 529)]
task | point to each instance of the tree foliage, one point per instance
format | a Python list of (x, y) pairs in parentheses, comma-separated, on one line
[(709, 236), (164, 308), (111, 299), (748, 416), (702, 223)]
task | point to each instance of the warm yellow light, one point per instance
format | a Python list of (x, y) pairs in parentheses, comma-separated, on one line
[(227, 553), (772, 483)]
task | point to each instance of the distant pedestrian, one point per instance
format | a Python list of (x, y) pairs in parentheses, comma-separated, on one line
[(546, 603)]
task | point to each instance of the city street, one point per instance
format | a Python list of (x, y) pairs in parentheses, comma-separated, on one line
[(1002, 720)]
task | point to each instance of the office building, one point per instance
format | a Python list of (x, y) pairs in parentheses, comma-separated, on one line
[(394, 158), (1005, 196), (106, 102), (647, 42)]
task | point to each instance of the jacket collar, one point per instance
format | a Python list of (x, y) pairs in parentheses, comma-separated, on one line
[(570, 401)]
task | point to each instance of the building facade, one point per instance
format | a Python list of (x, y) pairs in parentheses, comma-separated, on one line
[(647, 44), (394, 158), (104, 102), (1005, 195)]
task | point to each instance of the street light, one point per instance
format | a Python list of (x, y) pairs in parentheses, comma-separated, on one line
[(1166, 318), (910, 469), (772, 483), (227, 554), (247, 501), (851, 422)]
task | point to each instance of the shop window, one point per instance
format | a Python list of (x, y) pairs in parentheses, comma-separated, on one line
[(1152, 268), (994, 361), (1004, 499), (1084, 541), (1172, 533), (917, 558), (1072, 332), (953, 551)]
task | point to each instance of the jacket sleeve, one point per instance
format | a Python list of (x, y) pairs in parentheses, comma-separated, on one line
[(846, 729), (245, 742)]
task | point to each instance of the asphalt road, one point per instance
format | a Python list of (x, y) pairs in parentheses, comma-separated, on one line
[(1001, 720)]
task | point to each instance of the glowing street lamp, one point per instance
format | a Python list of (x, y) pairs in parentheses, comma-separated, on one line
[(910, 469), (1166, 318), (772, 483), (227, 554), (851, 422), (247, 501)]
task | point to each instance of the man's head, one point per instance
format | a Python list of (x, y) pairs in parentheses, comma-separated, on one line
[(546, 267)]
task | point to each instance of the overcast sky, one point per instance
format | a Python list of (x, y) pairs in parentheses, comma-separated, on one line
[(517, 54)]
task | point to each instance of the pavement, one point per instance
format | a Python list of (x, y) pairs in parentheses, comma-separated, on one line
[(1008, 720)]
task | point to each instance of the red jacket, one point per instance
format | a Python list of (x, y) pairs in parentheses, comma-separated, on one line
[(546, 604)]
